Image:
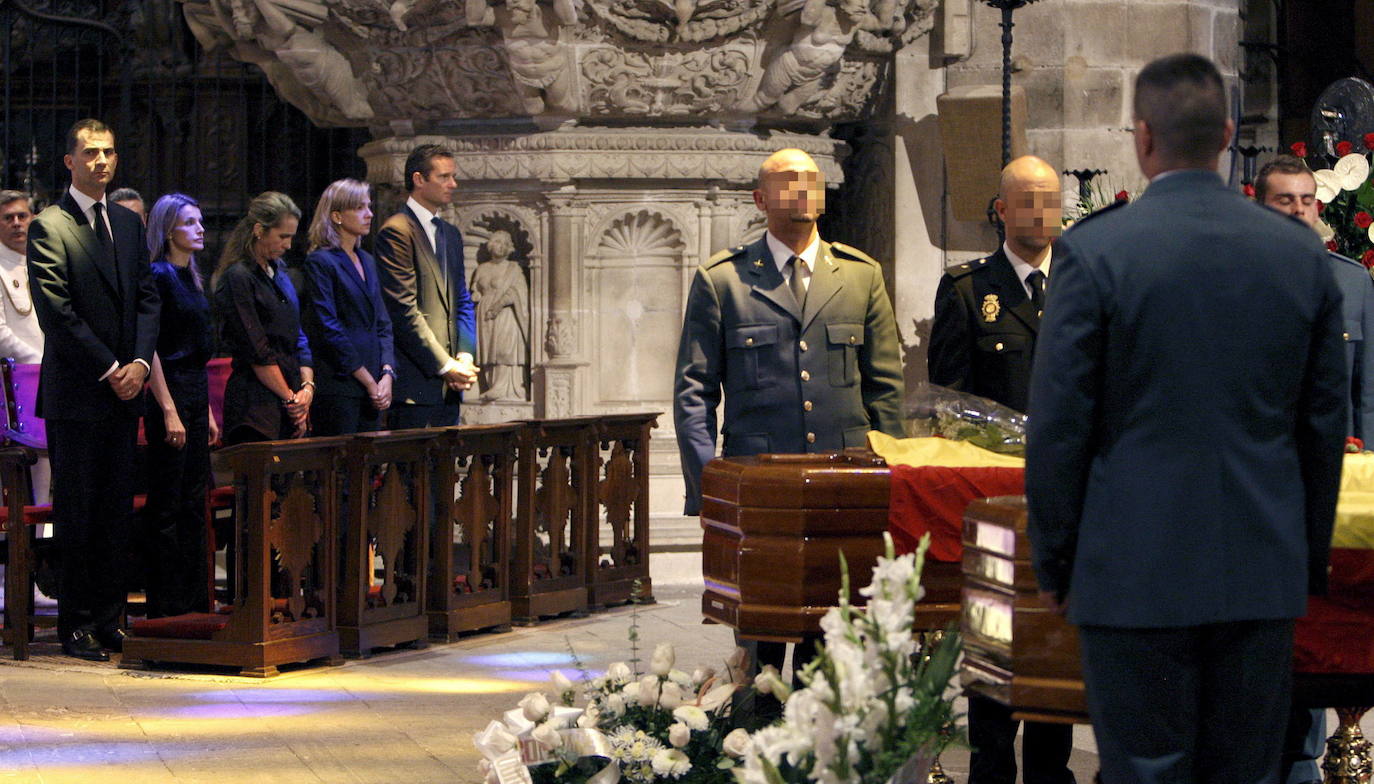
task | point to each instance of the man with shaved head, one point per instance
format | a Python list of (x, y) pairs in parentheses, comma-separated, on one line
[(987, 314), (1188, 413), (797, 332)]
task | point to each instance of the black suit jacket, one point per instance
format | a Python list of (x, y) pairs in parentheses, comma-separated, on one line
[(431, 311), (346, 321), (1188, 412), (983, 338), (93, 313)]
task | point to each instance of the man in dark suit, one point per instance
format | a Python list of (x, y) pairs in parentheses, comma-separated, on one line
[(420, 265), (1287, 185), (1188, 407), (798, 332), (95, 299), (987, 314)]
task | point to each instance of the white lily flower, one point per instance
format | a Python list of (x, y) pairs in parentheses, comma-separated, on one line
[(1353, 170)]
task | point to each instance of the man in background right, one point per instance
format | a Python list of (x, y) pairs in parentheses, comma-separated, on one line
[(1287, 185), (1184, 456)]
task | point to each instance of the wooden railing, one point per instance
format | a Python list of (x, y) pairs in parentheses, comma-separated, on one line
[(351, 543)]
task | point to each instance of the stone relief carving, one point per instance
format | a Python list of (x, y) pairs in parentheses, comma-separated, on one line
[(560, 338), (641, 234), (502, 294), (680, 83), (423, 63)]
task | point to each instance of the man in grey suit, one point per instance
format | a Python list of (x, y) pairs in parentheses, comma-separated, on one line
[(420, 266), (1184, 455), (95, 299), (797, 331), (1287, 185)]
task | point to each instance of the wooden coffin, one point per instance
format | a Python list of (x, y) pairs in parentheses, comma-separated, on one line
[(1015, 651), (617, 553), (773, 529)]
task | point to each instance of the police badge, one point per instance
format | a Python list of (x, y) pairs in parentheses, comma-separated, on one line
[(992, 308)]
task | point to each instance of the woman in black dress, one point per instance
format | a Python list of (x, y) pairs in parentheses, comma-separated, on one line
[(179, 438), (345, 317), (271, 385)]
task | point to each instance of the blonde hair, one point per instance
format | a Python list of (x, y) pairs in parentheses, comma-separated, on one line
[(345, 194), (267, 210)]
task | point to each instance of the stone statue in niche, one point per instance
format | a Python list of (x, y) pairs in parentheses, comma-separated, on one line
[(503, 320), (314, 63), (825, 30), (539, 64)]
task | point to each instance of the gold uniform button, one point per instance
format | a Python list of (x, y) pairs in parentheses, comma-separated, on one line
[(803, 345), (810, 438), (748, 341), (998, 346), (806, 406), (1345, 335), (851, 340), (806, 375)]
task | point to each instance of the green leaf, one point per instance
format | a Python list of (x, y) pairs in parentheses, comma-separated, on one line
[(1365, 194)]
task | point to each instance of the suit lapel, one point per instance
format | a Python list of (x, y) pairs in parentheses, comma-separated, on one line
[(86, 240), (1013, 292), (425, 254), (826, 282), (350, 273), (764, 279)]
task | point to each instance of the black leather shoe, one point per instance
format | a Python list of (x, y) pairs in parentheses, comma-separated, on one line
[(112, 639), (81, 644)]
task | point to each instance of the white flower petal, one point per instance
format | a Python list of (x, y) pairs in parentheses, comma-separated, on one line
[(1326, 232), (1328, 184), (1353, 170)]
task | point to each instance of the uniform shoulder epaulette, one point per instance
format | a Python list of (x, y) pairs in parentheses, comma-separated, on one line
[(1338, 257), (847, 252), (967, 268), (725, 255), (1116, 205)]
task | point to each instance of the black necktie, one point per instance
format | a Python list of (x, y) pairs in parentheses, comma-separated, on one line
[(102, 232), (798, 286), (1037, 286), (438, 239)]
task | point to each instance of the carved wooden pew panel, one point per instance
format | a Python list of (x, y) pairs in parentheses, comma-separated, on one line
[(285, 544), (620, 511), (471, 537), (554, 502), (386, 515)]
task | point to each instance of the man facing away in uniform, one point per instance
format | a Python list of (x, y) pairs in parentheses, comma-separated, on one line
[(1188, 412), (420, 266), (987, 314), (94, 295), (797, 332), (1287, 185)]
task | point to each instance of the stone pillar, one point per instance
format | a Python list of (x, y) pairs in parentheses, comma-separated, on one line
[(557, 390)]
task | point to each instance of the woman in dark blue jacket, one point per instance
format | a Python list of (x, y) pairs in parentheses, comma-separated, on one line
[(345, 318)]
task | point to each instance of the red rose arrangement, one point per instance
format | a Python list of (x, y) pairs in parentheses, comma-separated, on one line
[(1344, 148), (1354, 445), (1345, 197), (1299, 149)]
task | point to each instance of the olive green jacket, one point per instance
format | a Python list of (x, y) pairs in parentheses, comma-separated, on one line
[(793, 381)]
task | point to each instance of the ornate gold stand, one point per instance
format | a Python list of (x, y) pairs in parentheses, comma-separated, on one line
[(937, 774), (1347, 752)]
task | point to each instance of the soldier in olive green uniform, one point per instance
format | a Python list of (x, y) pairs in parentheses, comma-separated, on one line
[(799, 333)]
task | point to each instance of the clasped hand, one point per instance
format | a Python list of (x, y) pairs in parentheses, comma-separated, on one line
[(463, 376), (127, 381), (380, 393)]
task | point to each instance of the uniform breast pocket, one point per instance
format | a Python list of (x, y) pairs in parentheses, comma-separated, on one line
[(748, 349), (1354, 331), (997, 345), (843, 342)]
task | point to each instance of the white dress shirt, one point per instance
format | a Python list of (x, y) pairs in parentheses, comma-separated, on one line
[(1023, 268), (782, 253)]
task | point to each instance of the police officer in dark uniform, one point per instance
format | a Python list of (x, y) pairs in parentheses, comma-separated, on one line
[(987, 314), (797, 332)]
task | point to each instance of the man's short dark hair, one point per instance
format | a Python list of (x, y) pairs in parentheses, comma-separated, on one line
[(90, 125), (421, 160), (1284, 164), (6, 197), (1182, 99), (126, 194)]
